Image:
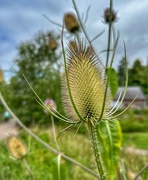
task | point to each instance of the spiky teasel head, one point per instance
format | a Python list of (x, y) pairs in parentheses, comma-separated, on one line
[(71, 23), (87, 85), (16, 147)]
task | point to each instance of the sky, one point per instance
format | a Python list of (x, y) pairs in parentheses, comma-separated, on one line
[(21, 20)]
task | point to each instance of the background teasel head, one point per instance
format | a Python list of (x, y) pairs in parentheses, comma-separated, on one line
[(16, 147), (1, 76), (52, 44), (71, 23), (87, 84), (108, 15)]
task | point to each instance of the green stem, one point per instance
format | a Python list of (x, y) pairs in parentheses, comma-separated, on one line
[(54, 133), (95, 145), (141, 171), (109, 34), (28, 168)]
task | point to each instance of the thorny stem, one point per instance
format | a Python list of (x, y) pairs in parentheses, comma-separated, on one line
[(44, 143), (93, 135), (109, 34), (28, 168)]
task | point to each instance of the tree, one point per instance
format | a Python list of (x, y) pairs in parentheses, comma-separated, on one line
[(122, 72), (136, 74), (40, 64)]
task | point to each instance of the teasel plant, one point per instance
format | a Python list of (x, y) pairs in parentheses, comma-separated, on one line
[(86, 95), (87, 92)]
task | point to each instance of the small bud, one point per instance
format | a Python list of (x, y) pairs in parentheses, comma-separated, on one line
[(71, 23), (52, 44), (107, 15), (51, 104), (16, 147)]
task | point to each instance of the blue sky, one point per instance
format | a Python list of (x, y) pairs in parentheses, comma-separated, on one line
[(21, 20)]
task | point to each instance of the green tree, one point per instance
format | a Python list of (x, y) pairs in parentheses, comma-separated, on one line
[(136, 74), (40, 63), (122, 72)]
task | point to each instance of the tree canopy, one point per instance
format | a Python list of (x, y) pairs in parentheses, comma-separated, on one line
[(40, 63)]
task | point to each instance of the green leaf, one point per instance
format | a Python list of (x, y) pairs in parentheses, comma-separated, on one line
[(61, 169), (110, 138), (113, 81)]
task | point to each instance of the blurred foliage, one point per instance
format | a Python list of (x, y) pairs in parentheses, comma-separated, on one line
[(136, 74), (43, 163), (41, 66), (134, 121)]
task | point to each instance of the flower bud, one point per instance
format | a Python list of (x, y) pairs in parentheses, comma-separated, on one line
[(50, 104), (71, 23)]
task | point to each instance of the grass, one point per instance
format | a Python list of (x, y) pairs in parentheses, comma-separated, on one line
[(136, 140), (44, 164)]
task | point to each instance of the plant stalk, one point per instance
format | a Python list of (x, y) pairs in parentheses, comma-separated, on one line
[(95, 145), (28, 168), (109, 34)]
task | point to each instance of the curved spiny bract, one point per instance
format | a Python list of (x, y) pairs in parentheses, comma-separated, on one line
[(87, 84)]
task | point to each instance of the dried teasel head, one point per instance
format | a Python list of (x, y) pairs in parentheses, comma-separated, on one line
[(87, 85), (71, 23), (16, 147), (1, 76), (52, 44), (108, 15)]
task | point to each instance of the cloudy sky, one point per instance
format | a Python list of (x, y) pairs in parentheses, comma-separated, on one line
[(20, 20)]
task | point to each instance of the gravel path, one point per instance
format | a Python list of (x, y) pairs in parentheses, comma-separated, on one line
[(8, 128)]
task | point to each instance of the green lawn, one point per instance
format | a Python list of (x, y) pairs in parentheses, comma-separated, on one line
[(137, 140)]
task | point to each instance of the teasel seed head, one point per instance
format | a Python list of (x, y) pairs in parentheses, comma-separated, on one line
[(52, 44), (71, 23), (87, 84), (1, 76), (16, 147), (107, 15)]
